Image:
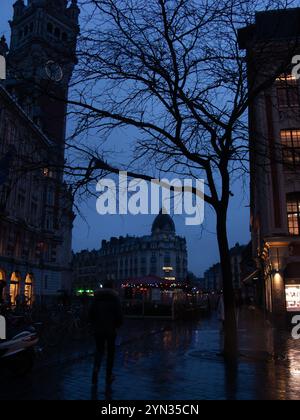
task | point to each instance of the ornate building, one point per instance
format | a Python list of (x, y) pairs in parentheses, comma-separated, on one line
[(162, 254), (274, 119), (36, 214)]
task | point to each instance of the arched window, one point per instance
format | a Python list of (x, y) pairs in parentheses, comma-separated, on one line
[(293, 213), (28, 291), (14, 289), (64, 36), (2, 275)]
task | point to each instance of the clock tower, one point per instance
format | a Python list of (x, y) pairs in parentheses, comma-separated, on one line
[(41, 60)]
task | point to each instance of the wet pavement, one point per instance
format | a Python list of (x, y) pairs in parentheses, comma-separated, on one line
[(166, 361)]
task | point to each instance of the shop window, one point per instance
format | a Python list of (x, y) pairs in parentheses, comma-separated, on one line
[(290, 141), (293, 213)]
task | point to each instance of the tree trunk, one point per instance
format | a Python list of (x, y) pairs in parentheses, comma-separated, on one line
[(230, 324)]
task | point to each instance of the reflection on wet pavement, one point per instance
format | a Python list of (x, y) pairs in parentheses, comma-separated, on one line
[(182, 362)]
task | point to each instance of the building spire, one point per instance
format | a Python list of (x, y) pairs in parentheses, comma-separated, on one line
[(3, 46), (19, 7), (74, 11)]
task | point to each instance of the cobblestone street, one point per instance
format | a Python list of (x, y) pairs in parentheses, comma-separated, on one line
[(177, 361)]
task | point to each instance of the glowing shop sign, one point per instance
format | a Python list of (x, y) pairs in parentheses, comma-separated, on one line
[(292, 293)]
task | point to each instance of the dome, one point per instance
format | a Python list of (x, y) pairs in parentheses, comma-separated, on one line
[(163, 223)]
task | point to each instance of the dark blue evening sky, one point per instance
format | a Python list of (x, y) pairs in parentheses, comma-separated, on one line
[(90, 229)]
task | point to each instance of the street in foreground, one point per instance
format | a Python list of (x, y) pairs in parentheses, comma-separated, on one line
[(179, 362)]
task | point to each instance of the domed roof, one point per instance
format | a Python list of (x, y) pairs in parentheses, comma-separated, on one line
[(163, 223)]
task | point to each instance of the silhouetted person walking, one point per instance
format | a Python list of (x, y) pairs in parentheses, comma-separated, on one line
[(106, 317)]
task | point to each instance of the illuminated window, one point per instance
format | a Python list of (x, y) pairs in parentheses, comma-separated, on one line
[(287, 91), (290, 140), (2, 275), (293, 213), (14, 288), (28, 291), (48, 173)]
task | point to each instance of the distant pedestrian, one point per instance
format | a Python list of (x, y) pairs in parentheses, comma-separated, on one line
[(106, 317)]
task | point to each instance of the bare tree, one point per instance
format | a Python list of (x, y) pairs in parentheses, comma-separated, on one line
[(171, 75)]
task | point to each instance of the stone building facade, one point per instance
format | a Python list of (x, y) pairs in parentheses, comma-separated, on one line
[(274, 119), (162, 254), (36, 214), (213, 280)]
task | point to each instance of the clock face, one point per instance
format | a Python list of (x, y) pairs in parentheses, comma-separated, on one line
[(54, 71)]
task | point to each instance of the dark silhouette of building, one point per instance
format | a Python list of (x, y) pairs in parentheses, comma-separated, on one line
[(274, 150), (213, 280), (36, 214)]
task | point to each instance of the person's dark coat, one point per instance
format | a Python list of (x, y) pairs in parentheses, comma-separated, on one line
[(105, 313)]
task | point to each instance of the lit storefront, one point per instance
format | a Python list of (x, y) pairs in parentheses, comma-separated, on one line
[(292, 295), (19, 288), (282, 279)]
